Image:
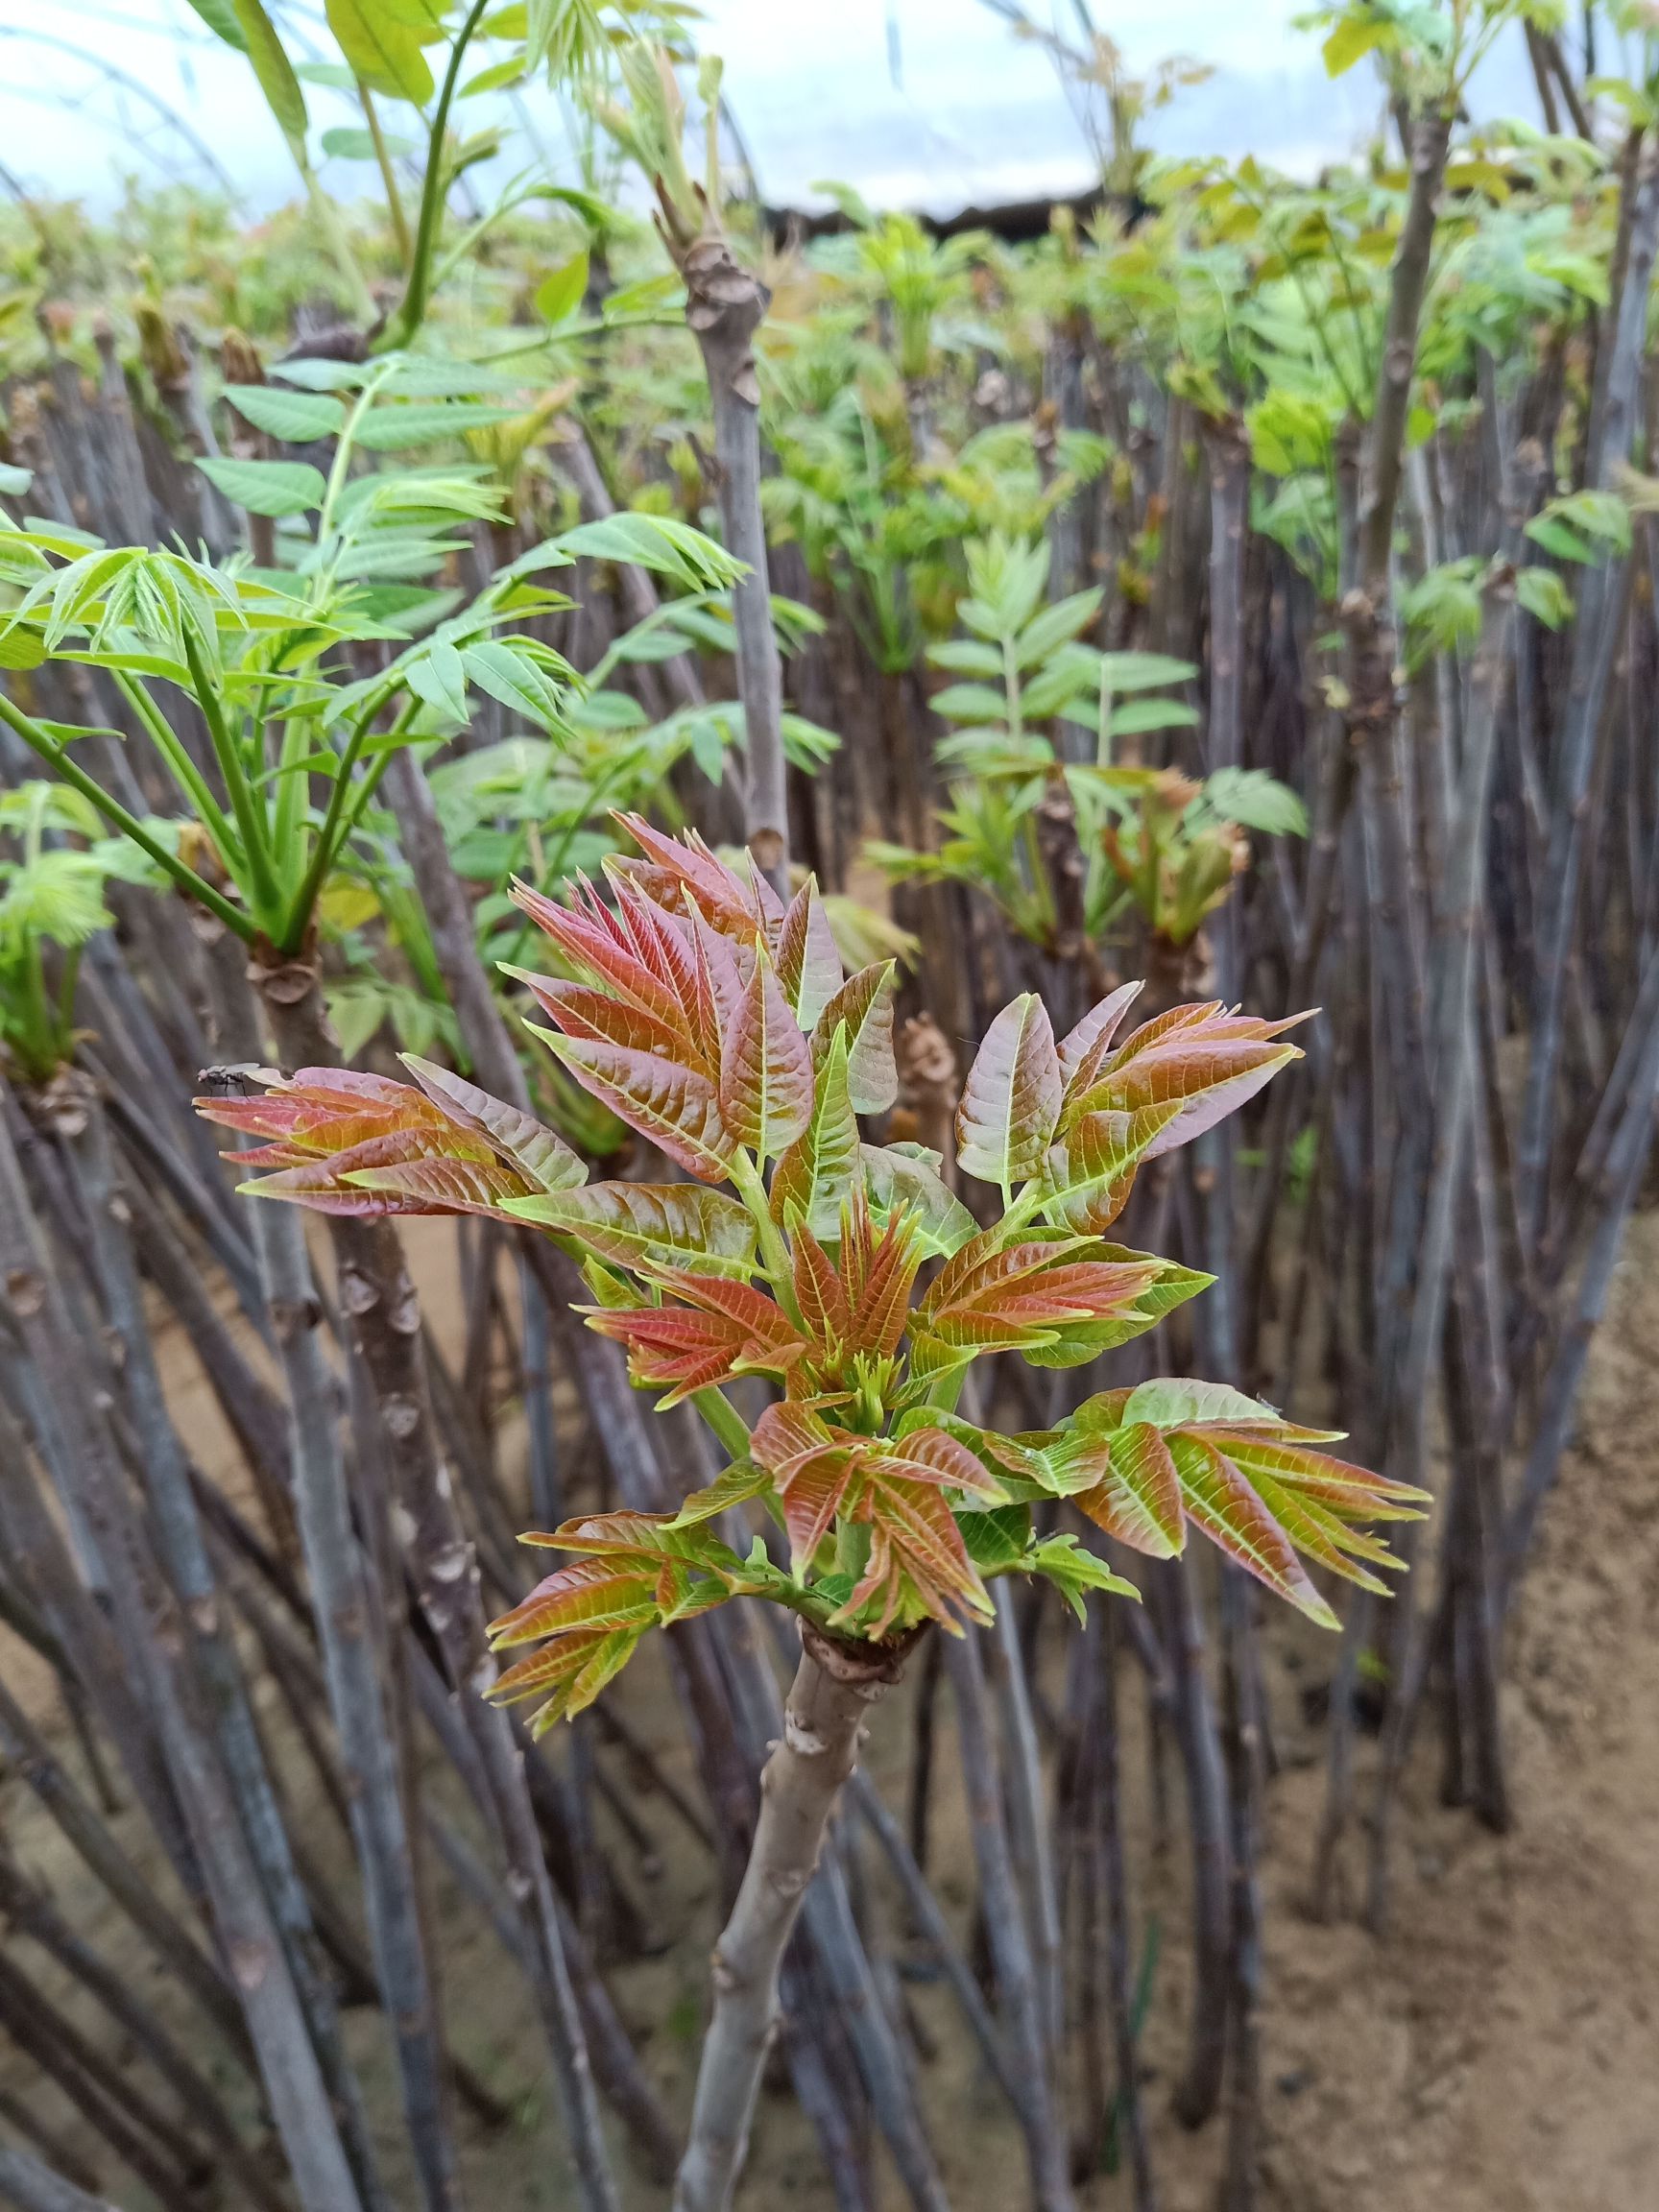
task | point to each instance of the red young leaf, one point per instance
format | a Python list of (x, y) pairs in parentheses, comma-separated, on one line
[(663, 942), (1091, 1170), (723, 1329), (808, 965), (597, 947), (1205, 1058), (914, 1532), (520, 1140), (1092, 1039), (673, 1105), (816, 1469), (587, 1010), (934, 1455), (1011, 1101), (878, 1272), (1137, 1498), (819, 1294), (737, 908), (766, 1068), (1217, 1499)]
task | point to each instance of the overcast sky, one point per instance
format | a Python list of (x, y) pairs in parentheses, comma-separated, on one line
[(919, 102)]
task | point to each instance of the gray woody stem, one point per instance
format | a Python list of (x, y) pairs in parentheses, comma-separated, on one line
[(834, 1687), (26, 2182), (724, 304)]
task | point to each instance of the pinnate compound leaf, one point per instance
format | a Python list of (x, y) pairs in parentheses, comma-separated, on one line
[(1011, 1101), (349, 1144), (650, 1224)]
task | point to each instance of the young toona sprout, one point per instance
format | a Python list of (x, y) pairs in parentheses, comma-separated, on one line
[(718, 1023)]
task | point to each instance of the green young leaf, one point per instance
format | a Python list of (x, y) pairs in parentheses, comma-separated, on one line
[(864, 1006), (272, 69), (1011, 1101), (651, 1224), (439, 677), (997, 1541), (658, 541), (275, 488), (814, 1177), (1544, 596), (1256, 801), (391, 429), (1075, 1570), (298, 418), (740, 1482), (346, 142), (1171, 1402), (320, 376), (1353, 37), (220, 17), (899, 1180), (383, 48), (560, 292)]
